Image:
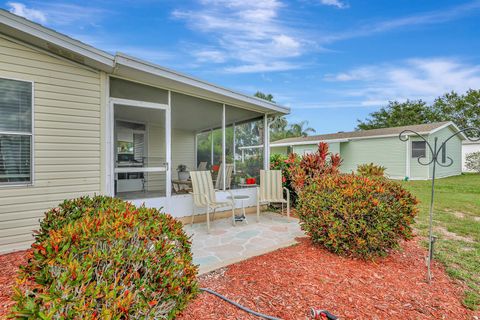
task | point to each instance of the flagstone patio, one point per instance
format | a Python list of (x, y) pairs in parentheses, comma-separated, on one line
[(227, 244)]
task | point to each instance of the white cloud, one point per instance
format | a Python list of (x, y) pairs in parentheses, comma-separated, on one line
[(425, 78), (31, 14), (425, 18), (247, 33), (262, 67), (214, 56), (335, 3), (59, 14)]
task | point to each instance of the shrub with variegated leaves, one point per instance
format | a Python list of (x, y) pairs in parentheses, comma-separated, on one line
[(371, 169), (103, 258), (355, 215)]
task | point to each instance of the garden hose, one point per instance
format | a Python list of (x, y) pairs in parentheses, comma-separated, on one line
[(258, 314)]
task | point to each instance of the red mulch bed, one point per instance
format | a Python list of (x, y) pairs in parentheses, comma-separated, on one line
[(287, 282), (8, 271)]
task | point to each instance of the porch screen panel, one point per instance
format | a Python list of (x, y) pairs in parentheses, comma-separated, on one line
[(244, 146), (204, 151)]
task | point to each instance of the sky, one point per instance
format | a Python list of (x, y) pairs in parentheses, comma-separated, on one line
[(331, 61)]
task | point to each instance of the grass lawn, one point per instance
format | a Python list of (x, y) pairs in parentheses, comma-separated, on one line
[(457, 225)]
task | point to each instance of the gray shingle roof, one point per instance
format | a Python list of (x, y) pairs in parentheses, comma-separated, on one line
[(420, 128)]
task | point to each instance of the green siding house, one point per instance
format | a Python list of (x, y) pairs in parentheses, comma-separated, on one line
[(383, 147)]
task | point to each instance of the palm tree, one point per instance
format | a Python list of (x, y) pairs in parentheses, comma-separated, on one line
[(280, 127), (301, 129)]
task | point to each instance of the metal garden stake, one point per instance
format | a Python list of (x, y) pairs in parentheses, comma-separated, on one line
[(435, 152)]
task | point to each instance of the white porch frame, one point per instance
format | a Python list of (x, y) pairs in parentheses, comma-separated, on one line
[(111, 171), (167, 202)]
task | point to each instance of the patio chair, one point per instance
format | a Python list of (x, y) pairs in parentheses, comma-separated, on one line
[(228, 180), (204, 195), (271, 190), (202, 166)]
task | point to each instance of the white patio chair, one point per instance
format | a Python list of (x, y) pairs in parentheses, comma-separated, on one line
[(271, 190), (228, 180), (204, 195), (202, 166)]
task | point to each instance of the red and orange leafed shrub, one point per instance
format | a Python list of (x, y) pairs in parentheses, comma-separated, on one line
[(371, 169), (103, 258), (320, 163), (355, 215)]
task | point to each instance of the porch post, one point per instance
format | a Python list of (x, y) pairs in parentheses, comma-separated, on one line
[(211, 148), (234, 164), (195, 157), (266, 143), (224, 157), (168, 149)]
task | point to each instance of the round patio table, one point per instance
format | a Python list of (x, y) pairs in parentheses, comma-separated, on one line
[(241, 198)]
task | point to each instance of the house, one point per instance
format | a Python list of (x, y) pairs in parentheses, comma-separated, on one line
[(383, 147), (75, 120), (469, 146)]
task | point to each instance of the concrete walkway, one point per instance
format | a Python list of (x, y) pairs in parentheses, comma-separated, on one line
[(227, 244)]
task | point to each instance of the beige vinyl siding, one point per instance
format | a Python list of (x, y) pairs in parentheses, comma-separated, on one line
[(66, 139)]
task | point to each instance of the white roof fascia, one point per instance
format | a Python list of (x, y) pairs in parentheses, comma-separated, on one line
[(300, 143), (132, 62)]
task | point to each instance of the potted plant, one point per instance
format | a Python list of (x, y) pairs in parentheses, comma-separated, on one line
[(183, 174)]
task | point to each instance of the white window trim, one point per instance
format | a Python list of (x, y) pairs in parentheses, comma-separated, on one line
[(30, 183)]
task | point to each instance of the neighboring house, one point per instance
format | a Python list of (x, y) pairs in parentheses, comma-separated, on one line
[(469, 147), (382, 147), (75, 120)]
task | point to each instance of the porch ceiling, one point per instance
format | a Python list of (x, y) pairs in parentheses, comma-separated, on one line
[(187, 112), (194, 114)]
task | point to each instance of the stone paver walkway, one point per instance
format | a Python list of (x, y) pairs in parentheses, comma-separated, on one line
[(227, 244)]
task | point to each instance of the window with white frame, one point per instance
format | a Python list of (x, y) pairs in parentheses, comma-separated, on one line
[(419, 149), (16, 130)]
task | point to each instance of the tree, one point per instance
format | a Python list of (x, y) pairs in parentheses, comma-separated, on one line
[(280, 128), (397, 114), (301, 129), (264, 96), (462, 109)]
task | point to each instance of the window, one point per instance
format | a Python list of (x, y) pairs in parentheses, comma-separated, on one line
[(15, 132), (444, 153), (418, 149)]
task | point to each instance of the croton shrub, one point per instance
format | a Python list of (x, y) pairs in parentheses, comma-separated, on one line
[(355, 215), (371, 169), (103, 258)]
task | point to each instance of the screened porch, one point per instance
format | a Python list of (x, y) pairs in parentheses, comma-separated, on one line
[(159, 136)]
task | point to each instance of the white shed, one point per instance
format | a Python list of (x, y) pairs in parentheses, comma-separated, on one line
[(469, 147)]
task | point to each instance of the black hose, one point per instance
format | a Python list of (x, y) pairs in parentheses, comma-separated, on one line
[(258, 314)]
